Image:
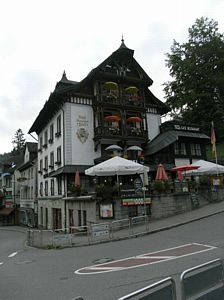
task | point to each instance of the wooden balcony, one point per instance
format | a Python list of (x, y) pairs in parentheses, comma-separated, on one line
[(110, 132), (122, 99)]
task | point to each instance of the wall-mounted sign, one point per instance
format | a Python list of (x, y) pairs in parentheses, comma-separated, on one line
[(82, 128), (106, 210), (136, 201), (138, 186), (186, 128)]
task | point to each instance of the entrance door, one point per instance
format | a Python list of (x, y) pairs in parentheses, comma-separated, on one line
[(71, 220), (57, 218)]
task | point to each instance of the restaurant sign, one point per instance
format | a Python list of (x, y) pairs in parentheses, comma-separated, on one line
[(187, 128), (135, 201)]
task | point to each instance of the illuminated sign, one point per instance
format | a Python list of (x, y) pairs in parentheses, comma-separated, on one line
[(136, 201)]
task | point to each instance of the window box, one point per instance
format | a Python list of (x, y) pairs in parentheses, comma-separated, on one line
[(45, 146), (40, 172), (58, 162), (50, 141)]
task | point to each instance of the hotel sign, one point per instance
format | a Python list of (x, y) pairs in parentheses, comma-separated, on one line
[(82, 128), (186, 128)]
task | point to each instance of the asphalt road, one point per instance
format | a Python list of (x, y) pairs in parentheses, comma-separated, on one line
[(29, 273)]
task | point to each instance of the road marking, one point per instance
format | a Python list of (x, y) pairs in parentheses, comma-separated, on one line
[(1, 263), (145, 259), (13, 254)]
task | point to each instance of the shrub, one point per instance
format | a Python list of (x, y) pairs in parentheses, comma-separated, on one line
[(204, 180)]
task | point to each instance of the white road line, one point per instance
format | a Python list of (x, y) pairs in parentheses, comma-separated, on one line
[(1, 263), (104, 268), (148, 256), (13, 254), (155, 257)]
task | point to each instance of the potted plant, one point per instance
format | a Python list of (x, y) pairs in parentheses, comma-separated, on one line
[(158, 186), (74, 190)]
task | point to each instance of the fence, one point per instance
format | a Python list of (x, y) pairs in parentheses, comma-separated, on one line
[(82, 235), (203, 282)]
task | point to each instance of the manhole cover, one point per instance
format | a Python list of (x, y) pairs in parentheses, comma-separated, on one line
[(102, 260)]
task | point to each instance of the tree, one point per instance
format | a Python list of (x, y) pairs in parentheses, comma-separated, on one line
[(18, 141), (197, 92)]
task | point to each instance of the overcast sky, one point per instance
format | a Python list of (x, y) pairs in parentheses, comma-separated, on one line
[(39, 39)]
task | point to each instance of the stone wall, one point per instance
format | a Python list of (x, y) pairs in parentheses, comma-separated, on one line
[(166, 205)]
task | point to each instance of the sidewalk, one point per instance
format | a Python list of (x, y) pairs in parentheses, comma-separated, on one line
[(187, 217)]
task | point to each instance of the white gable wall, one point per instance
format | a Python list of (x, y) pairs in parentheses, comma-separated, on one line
[(79, 144), (153, 123)]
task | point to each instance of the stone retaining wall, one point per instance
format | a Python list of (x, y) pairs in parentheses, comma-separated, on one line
[(166, 205)]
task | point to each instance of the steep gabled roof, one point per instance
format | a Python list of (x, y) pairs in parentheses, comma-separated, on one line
[(123, 55)]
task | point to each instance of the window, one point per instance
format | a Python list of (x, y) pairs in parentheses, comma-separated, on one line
[(196, 149), (41, 189), (45, 139), (58, 133), (59, 186), (46, 217), (180, 148), (8, 181), (84, 218), (51, 133), (41, 216), (79, 217), (46, 188), (52, 187), (41, 166), (51, 160), (45, 163), (183, 149), (40, 143), (58, 155)]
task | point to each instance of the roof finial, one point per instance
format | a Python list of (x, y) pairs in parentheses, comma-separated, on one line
[(64, 77), (122, 46)]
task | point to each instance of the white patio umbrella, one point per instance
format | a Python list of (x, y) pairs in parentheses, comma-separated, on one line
[(114, 147), (134, 148), (116, 166), (206, 167)]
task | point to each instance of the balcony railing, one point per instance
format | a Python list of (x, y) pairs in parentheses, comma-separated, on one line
[(122, 99), (106, 131)]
